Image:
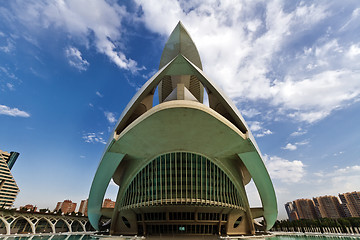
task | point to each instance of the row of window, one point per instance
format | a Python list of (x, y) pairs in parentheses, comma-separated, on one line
[(6, 176), (181, 178), (161, 216)]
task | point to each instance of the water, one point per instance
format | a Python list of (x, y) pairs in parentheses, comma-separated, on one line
[(91, 237), (50, 237), (318, 237)]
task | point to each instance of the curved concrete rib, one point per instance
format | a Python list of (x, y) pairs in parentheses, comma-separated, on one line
[(102, 178), (138, 97), (256, 168)]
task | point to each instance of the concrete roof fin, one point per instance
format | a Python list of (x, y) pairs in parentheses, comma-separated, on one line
[(180, 42)]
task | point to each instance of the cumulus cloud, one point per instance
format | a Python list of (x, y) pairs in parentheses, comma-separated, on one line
[(256, 126), (290, 147), (258, 52), (75, 59), (299, 132), (340, 180), (14, 112), (293, 147), (93, 137), (264, 133), (110, 117), (97, 23), (252, 112), (284, 170)]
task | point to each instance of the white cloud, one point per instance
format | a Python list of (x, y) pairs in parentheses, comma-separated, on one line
[(305, 142), (354, 51), (264, 133), (75, 59), (14, 112), (340, 180), (94, 137), (284, 170), (95, 23), (293, 147), (255, 126), (299, 132), (10, 86), (315, 98), (338, 153), (290, 147), (99, 94), (257, 52), (252, 112), (110, 117), (9, 45), (8, 73)]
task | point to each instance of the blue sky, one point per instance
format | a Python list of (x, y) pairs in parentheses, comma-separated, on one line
[(68, 69)]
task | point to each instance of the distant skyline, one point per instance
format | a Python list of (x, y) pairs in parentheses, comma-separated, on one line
[(68, 69)]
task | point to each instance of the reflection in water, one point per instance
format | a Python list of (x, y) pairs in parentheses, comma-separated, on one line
[(317, 237), (208, 237), (51, 237)]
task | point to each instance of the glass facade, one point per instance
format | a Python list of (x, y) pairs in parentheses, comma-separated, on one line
[(181, 178)]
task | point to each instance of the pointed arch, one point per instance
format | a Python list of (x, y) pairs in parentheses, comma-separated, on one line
[(52, 228), (60, 227), (31, 224), (6, 225)]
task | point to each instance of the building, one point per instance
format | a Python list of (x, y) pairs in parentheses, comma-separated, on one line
[(328, 207), (325, 207), (29, 207), (58, 206), (66, 206), (305, 209), (108, 203), (10, 158), (181, 165), (83, 207), (8, 186), (291, 211), (351, 203), (345, 210)]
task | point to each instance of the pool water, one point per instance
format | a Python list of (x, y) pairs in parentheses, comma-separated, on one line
[(92, 237)]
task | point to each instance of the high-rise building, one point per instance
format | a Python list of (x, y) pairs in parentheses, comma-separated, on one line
[(328, 207), (108, 203), (181, 165), (325, 207), (291, 211), (345, 210), (10, 158), (67, 206), (58, 207), (8, 186), (305, 209), (29, 207), (83, 207), (351, 203)]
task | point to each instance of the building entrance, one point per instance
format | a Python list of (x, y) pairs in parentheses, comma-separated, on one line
[(154, 229)]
